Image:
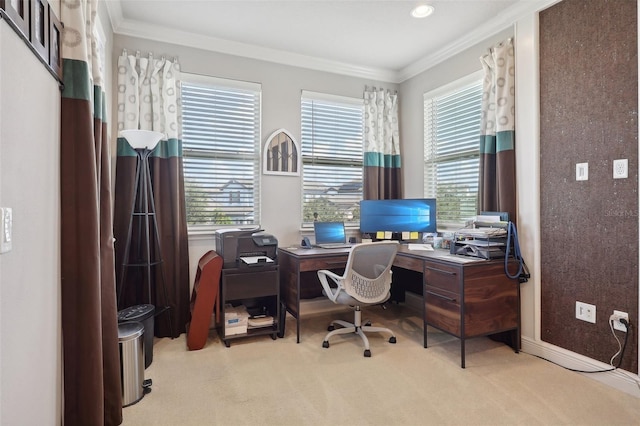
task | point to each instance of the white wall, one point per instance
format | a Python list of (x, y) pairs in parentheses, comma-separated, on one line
[(281, 89), (30, 348)]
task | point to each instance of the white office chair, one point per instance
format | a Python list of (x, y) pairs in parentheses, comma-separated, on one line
[(366, 281)]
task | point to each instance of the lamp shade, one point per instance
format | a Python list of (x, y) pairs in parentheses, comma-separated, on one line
[(142, 139)]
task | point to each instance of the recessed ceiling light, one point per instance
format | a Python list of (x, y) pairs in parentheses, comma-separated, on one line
[(422, 11)]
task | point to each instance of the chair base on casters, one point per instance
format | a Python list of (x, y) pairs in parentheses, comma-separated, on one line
[(357, 328)]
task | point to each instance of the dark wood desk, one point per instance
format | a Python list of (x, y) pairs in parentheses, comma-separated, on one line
[(463, 296)]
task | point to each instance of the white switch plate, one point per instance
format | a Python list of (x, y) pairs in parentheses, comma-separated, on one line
[(6, 219), (582, 171), (621, 169)]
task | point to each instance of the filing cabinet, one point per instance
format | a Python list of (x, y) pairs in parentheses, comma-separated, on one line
[(469, 300)]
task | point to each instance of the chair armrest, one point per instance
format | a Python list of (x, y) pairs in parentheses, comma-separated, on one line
[(331, 292)]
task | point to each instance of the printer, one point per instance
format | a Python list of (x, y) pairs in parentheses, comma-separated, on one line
[(246, 247)]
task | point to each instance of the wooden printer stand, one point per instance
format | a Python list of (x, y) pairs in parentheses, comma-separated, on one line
[(258, 289)]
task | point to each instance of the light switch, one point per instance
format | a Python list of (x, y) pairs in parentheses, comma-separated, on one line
[(6, 219), (582, 171)]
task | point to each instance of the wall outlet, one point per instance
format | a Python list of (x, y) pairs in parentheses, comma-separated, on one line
[(586, 312), (620, 169), (616, 317)]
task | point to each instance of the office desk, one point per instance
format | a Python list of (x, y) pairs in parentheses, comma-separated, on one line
[(463, 296)]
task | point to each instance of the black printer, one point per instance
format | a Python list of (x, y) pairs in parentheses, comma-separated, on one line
[(239, 247)]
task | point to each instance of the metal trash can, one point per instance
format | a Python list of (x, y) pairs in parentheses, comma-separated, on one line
[(131, 361), (143, 314)]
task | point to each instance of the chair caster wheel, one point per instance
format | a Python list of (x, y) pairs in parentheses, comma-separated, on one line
[(368, 323), (331, 327), (392, 339), (325, 344), (367, 353)]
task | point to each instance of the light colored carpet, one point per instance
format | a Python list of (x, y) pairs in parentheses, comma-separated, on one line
[(278, 382)]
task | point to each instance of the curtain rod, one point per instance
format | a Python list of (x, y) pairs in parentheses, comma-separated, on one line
[(373, 88), (125, 54)]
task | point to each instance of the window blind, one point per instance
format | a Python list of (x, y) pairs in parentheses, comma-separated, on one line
[(451, 149), (221, 148), (331, 145)]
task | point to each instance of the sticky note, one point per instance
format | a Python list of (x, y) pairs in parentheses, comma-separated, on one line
[(414, 235), (380, 235), (387, 235), (406, 235)]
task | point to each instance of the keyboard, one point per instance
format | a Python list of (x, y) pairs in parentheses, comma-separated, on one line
[(334, 245)]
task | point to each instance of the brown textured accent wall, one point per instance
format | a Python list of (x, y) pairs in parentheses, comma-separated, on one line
[(589, 229)]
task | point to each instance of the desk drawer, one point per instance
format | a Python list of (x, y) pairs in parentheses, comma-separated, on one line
[(333, 262), (442, 276), (249, 285), (410, 263), (442, 309)]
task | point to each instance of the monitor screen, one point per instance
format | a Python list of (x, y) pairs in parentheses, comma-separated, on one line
[(398, 215), (329, 232)]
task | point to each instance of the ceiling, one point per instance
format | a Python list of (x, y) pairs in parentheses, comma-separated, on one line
[(374, 38)]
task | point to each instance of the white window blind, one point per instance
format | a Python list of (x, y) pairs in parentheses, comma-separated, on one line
[(221, 148), (451, 149), (332, 137)]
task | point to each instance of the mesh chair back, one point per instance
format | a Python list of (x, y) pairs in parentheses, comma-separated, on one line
[(368, 271)]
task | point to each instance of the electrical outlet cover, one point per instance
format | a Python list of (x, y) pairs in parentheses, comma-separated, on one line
[(617, 325), (621, 169)]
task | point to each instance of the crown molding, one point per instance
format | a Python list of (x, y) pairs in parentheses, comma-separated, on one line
[(153, 32), (114, 10), (501, 22), (157, 33)]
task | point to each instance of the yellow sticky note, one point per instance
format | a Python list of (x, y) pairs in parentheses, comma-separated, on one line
[(380, 235), (414, 235)]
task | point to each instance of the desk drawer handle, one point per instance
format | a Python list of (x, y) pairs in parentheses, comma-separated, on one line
[(450, 299), (442, 271)]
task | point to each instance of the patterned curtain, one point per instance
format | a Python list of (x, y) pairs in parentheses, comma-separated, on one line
[(497, 183), (92, 393), (382, 165), (149, 99)]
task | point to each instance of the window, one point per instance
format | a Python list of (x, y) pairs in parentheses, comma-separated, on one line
[(451, 149), (331, 129), (221, 148)]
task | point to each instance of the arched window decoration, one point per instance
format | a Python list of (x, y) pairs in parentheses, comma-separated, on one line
[(281, 155)]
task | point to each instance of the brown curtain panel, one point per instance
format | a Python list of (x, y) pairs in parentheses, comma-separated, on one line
[(382, 165), (168, 190), (92, 389), (497, 183)]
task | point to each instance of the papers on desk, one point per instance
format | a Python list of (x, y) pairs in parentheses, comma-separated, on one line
[(427, 247), (256, 260)]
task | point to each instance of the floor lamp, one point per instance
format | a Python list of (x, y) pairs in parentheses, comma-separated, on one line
[(143, 213)]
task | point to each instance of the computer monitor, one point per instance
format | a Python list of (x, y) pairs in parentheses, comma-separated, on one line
[(406, 215), (329, 232)]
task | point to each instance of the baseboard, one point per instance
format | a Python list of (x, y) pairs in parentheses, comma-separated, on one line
[(618, 379)]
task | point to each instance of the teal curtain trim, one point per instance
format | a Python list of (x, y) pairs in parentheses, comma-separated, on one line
[(77, 81), (165, 149), (505, 141), (378, 159), (99, 105), (502, 141), (487, 144)]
